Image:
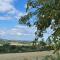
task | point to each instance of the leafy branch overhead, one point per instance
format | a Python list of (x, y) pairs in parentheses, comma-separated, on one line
[(45, 11)]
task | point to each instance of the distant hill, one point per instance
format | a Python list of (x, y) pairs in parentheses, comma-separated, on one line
[(2, 41)]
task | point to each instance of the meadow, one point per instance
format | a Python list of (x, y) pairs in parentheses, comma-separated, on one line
[(14, 50)]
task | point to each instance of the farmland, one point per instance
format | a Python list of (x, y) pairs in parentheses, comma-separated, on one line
[(17, 50), (17, 43)]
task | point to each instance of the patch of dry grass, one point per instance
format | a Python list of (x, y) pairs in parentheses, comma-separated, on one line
[(24, 56)]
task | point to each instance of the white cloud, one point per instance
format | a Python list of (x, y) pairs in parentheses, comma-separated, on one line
[(7, 7), (14, 31), (30, 30), (18, 31), (5, 17), (6, 1), (21, 30), (2, 33)]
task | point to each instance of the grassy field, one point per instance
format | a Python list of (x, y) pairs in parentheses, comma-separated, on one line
[(17, 43), (20, 44), (25, 56)]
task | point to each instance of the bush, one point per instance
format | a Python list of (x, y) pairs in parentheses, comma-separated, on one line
[(52, 57)]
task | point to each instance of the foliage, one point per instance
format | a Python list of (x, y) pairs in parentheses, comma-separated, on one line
[(47, 14), (52, 57), (16, 49), (42, 43)]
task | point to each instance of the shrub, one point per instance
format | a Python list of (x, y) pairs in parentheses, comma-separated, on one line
[(52, 57)]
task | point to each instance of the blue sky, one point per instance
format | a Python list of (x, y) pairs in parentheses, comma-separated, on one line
[(10, 12)]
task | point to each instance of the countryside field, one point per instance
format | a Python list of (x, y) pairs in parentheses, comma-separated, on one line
[(25, 56)]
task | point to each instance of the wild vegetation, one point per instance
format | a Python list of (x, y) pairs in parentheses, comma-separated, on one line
[(24, 56), (20, 47), (47, 14)]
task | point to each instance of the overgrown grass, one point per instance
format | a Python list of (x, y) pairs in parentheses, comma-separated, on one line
[(55, 56), (24, 56)]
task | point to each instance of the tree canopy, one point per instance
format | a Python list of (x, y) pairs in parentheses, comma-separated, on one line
[(47, 14)]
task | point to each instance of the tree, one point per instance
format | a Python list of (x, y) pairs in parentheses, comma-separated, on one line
[(49, 41), (42, 43), (47, 13)]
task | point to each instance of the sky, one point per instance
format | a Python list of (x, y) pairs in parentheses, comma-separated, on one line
[(10, 12)]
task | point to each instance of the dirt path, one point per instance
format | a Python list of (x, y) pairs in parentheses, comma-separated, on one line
[(24, 56)]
